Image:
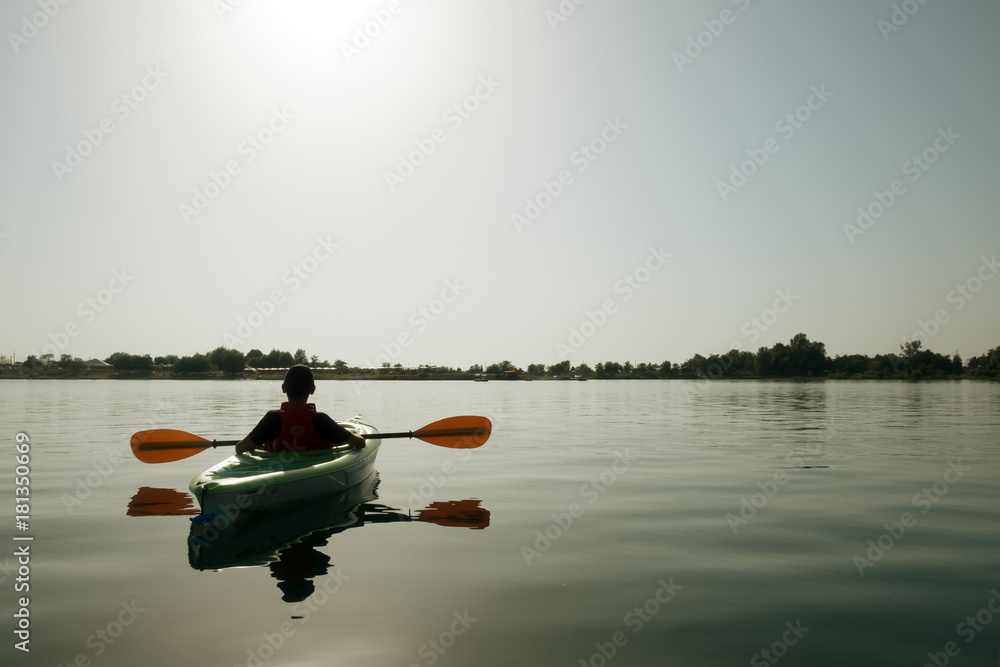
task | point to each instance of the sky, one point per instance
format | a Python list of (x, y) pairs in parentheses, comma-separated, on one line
[(451, 183)]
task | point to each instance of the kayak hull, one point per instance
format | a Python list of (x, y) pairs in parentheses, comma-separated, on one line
[(258, 538), (262, 480)]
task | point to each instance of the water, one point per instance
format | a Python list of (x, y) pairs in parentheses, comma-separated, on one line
[(654, 522)]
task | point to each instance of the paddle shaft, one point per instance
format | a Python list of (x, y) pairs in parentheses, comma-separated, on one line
[(444, 432), (199, 445), (165, 445)]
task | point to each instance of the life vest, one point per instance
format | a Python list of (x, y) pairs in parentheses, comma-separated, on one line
[(297, 431)]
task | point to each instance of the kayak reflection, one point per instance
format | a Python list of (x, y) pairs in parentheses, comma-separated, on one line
[(286, 539)]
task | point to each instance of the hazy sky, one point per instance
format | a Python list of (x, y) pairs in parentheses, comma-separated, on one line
[(458, 182)]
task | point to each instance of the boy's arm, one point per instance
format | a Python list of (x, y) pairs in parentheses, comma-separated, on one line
[(356, 441), (245, 445), (335, 433), (269, 425)]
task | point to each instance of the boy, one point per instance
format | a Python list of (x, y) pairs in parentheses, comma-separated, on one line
[(297, 426)]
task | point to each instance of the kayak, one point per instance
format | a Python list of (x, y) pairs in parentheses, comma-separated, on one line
[(281, 535), (259, 538), (261, 480)]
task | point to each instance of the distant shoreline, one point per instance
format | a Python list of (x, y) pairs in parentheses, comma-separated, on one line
[(329, 374), (801, 358)]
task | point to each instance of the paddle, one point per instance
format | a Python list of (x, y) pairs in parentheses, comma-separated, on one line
[(164, 445), (456, 513)]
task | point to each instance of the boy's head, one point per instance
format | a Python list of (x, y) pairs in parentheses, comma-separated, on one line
[(299, 382)]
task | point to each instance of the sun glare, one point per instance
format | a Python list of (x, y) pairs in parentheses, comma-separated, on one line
[(296, 36)]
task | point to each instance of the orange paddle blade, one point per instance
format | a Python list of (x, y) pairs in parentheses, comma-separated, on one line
[(163, 445), (466, 432), (456, 513), (149, 501)]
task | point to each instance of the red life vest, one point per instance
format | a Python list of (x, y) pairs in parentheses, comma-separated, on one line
[(297, 431)]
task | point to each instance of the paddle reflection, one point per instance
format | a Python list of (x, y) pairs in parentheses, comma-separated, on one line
[(149, 501), (286, 540)]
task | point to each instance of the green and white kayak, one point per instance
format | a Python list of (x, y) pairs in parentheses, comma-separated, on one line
[(262, 480), (259, 538)]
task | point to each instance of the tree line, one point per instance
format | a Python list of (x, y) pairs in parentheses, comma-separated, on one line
[(800, 357), (221, 359), (232, 361)]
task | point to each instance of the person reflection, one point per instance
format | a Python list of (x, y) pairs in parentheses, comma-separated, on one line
[(301, 562), (297, 566)]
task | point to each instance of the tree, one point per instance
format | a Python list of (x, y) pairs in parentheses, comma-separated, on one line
[(910, 349), (717, 367), (585, 371), (696, 366), (956, 364), (851, 365), (118, 360), (300, 357), (741, 363), (233, 361), (609, 369), (71, 363), (216, 356), (500, 368), (197, 363), (763, 362), (560, 368), (885, 365), (475, 368), (781, 356), (807, 358), (644, 371), (122, 361), (986, 365), (276, 359), (340, 366), (536, 369), (142, 364)]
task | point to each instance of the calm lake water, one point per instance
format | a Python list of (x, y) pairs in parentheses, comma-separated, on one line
[(619, 523)]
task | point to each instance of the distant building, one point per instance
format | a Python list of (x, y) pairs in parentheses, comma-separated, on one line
[(510, 374)]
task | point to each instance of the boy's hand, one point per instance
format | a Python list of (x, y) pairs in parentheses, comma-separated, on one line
[(245, 445), (356, 441)]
